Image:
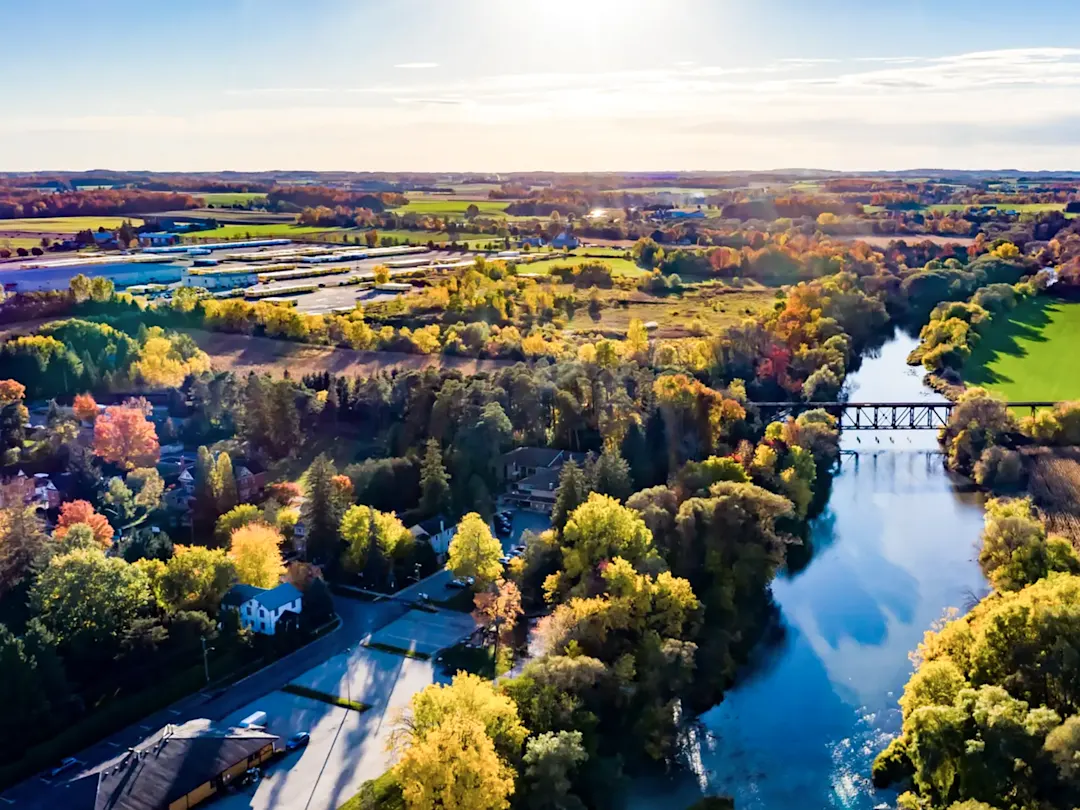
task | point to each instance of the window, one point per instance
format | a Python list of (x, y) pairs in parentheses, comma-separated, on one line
[(262, 612), (249, 610)]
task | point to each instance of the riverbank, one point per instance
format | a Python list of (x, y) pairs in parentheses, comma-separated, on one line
[(893, 550)]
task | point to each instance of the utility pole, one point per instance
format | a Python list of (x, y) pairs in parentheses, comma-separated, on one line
[(205, 661)]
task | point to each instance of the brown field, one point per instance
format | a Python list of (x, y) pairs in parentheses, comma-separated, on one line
[(910, 238), (1054, 484), (242, 353)]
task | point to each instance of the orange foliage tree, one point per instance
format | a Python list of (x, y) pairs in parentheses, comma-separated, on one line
[(85, 408), (124, 436), (74, 512), (11, 391)]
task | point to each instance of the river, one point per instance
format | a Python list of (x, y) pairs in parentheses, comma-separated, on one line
[(894, 548)]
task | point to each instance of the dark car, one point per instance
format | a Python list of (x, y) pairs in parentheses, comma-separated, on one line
[(298, 740)]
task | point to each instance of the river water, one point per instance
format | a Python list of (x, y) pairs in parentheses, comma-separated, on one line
[(895, 547)]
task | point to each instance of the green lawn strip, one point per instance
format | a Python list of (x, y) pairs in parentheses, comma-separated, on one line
[(1024, 354), (383, 793), (110, 718), (419, 656), (65, 224), (324, 697)]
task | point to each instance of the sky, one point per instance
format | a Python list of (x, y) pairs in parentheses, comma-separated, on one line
[(528, 85)]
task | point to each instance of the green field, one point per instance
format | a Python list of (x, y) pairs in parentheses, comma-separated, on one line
[(16, 242), (1023, 208), (1030, 353), (64, 224), (277, 230), (433, 206), (228, 197), (620, 267)]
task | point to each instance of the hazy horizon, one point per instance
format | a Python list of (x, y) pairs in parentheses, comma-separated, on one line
[(541, 85)]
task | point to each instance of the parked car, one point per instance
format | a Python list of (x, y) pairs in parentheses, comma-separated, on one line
[(250, 777), (461, 582), (297, 740), (520, 548), (66, 764), (505, 560)]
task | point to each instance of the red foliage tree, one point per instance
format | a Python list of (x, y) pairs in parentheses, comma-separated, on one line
[(74, 512), (124, 436)]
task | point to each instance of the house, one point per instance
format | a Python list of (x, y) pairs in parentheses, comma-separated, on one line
[(436, 530), (39, 490), (261, 609), (158, 239), (178, 767), (525, 461), (531, 241), (565, 241), (536, 491), (248, 483), (106, 239)]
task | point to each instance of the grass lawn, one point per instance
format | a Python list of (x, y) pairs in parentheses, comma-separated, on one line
[(460, 658), (1020, 207), (276, 230), (619, 266), (378, 794), (1030, 353), (16, 242), (228, 197), (442, 207), (674, 314), (64, 224)]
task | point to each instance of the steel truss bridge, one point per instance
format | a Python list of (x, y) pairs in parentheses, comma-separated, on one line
[(880, 415)]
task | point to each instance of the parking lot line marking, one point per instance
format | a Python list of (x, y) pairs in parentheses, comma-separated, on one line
[(146, 728), (174, 712), (114, 745)]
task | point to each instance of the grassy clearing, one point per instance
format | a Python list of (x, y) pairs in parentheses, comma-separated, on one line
[(383, 793), (460, 658), (675, 315), (619, 267), (435, 206), (277, 230), (64, 224), (1026, 355), (325, 697), (1023, 208), (228, 197), (16, 242)]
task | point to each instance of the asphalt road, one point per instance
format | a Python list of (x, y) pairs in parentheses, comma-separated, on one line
[(359, 619)]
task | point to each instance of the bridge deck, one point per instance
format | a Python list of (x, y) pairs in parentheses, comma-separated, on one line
[(882, 415)]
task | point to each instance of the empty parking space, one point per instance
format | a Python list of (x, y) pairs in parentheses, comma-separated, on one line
[(424, 632)]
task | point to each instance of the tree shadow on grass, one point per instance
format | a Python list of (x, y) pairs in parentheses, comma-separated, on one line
[(1025, 322)]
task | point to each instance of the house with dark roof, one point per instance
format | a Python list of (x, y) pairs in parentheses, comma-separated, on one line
[(525, 461), (261, 609), (177, 767), (438, 531)]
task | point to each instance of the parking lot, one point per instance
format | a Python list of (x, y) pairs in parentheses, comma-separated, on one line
[(426, 633)]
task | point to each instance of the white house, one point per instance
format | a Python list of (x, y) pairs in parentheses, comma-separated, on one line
[(261, 609), (565, 240), (436, 530)]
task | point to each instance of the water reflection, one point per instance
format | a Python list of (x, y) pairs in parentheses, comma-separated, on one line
[(894, 548)]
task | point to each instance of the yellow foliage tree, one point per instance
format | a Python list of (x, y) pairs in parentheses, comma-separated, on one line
[(166, 362), (255, 550), (474, 552)]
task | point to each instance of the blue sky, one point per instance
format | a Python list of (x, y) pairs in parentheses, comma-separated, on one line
[(505, 85)]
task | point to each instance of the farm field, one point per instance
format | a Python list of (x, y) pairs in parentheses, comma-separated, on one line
[(1023, 356), (619, 266), (437, 206), (282, 230), (63, 224), (16, 242), (243, 353), (228, 197), (911, 238), (1021, 207), (675, 315)]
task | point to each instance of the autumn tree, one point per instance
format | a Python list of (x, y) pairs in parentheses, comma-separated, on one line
[(165, 362), (123, 435), (375, 542), (232, 520), (551, 760), (454, 765), (22, 535), (85, 408), (474, 552), (255, 550), (1015, 548), (76, 512), (196, 578), (80, 288), (573, 491), (223, 484), (602, 529), (498, 607)]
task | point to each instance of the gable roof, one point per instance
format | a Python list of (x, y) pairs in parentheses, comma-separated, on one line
[(540, 457), (433, 525), (541, 479), (164, 767), (276, 597), (238, 594)]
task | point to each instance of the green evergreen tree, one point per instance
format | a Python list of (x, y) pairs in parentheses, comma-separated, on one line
[(610, 475), (434, 480), (573, 491), (204, 509), (319, 512)]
